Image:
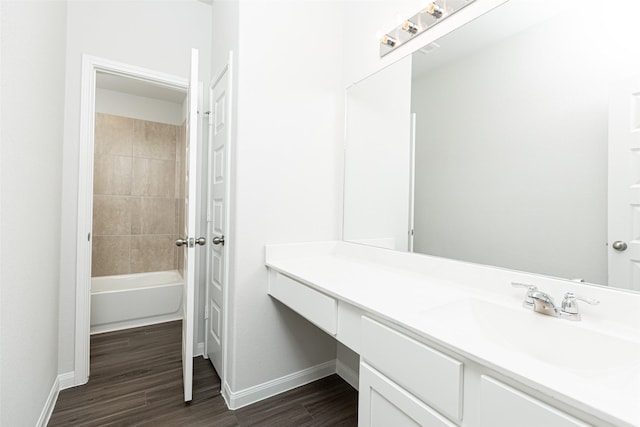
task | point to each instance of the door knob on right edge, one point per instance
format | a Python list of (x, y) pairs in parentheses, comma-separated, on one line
[(218, 240), (619, 245)]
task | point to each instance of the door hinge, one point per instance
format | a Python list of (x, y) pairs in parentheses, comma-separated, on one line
[(209, 117), (206, 311)]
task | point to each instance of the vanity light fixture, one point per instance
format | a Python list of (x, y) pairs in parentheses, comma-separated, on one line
[(410, 27), (387, 40), (435, 12)]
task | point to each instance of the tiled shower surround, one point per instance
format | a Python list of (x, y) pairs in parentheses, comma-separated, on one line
[(137, 195)]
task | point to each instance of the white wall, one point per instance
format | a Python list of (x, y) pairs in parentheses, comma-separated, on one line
[(289, 112), (32, 100), (377, 155), (155, 35), (139, 107)]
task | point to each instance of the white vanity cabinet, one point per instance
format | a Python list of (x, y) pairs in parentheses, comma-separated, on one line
[(409, 376), (403, 379), (407, 382)]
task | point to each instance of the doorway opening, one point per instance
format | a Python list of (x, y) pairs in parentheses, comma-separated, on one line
[(138, 197), (131, 126)]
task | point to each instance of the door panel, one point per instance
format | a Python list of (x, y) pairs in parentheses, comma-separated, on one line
[(624, 185), (189, 231), (217, 214)]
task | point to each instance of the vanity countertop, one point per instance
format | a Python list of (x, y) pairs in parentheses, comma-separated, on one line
[(453, 304)]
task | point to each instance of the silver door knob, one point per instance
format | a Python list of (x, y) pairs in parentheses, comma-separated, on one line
[(619, 245), (201, 241), (181, 242), (218, 240)]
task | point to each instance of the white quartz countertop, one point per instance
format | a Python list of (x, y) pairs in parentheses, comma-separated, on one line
[(421, 294)]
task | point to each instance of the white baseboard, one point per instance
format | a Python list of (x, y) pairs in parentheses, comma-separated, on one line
[(50, 403), (199, 349), (236, 400), (347, 373), (67, 380), (62, 382)]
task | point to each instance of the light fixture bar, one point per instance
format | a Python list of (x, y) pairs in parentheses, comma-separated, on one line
[(434, 12)]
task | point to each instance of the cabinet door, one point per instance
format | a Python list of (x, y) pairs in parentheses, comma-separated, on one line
[(382, 403), (503, 406), (431, 376)]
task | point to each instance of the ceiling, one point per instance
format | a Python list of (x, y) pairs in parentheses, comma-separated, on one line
[(138, 87)]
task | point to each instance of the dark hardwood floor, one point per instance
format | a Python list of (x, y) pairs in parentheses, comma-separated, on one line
[(136, 380)]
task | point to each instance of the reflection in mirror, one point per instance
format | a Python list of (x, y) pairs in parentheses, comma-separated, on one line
[(515, 115), (376, 173)]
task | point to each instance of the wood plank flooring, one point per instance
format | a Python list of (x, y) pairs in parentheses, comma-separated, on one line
[(136, 380)]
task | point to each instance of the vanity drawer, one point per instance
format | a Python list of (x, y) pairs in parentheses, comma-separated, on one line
[(382, 403), (504, 406), (318, 308), (433, 377)]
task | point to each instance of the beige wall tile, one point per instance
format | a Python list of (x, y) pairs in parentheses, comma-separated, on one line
[(157, 216), (179, 209), (152, 253), (111, 215), (110, 255), (113, 135), (179, 179), (181, 136), (153, 178), (112, 175), (154, 140), (136, 215)]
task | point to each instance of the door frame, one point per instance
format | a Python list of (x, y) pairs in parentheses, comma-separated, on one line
[(90, 66), (227, 68)]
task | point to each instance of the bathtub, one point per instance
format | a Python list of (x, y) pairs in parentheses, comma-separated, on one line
[(132, 300)]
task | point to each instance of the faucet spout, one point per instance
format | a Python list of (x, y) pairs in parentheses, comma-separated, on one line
[(543, 303)]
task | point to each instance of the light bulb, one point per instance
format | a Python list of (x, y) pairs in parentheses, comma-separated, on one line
[(388, 40), (434, 10), (410, 27)]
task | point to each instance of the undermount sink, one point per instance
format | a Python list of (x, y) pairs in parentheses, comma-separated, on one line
[(556, 342)]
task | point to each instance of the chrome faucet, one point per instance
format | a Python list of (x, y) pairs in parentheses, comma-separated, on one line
[(528, 300), (541, 302), (569, 307)]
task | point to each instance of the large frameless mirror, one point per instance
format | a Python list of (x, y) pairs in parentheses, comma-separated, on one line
[(509, 142)]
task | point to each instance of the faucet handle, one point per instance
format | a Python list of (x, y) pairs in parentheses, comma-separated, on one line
[(570, 303), (528, 300), (524, 285)]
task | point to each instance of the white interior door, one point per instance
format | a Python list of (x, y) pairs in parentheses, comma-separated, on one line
[(217, 213), (188, 241), (624, 185)]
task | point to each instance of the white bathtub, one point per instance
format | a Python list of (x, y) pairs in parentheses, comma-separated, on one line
[(132, 300)]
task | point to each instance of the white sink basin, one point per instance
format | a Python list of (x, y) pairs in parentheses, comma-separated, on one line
[(553, 341)]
